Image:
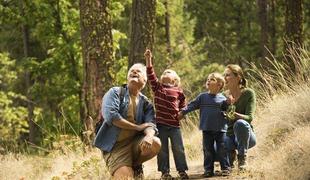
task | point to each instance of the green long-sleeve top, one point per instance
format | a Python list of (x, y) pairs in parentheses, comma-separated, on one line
[(245, 105)]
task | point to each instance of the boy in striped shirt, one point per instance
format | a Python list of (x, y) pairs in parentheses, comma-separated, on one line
[(168, 99)]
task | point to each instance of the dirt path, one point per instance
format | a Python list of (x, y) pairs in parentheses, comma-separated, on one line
[(195, 171)]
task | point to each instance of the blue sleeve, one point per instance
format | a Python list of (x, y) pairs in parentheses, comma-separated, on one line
[(224, 104), (149, 115), (193, 105), (110, 108)]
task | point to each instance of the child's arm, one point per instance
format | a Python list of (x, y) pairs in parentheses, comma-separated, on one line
[(153, 80), (229, 101), (148, 58), (193, 105), (182, 100), (181, 105)]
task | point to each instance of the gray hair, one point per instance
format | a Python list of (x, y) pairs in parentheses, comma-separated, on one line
[(141, 67)]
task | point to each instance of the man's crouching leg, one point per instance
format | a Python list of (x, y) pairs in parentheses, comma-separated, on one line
[(123, 172), (147, 153)]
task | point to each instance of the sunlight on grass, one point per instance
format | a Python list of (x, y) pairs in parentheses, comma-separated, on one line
[(282, 127)]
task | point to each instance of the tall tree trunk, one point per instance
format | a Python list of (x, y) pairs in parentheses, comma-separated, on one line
[(293, 29), (30, 107), (167, 33), (293, 21), (262, 14), (273, 37), (142, 29), (97, 51)]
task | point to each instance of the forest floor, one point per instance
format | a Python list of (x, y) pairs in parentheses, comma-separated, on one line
[(282, 129)]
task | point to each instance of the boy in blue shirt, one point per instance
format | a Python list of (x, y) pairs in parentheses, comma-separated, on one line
[(212, 123)]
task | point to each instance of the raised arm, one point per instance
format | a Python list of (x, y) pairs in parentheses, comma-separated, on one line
[(148, 58), (151, 75)]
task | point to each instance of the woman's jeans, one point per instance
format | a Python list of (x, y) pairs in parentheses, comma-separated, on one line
[(211, 139), (243, 138), (166, 132)]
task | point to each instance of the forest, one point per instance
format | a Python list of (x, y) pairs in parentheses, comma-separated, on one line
[(59, 57)]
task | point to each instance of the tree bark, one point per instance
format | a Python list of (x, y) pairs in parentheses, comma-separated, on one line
[(293, 21), (167, 28), (262, 14), (293, 31), (273, 30), (142, 29), (97, 52), (30, 106)]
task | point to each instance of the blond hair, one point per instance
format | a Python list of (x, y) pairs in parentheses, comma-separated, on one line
[(177, 79), (237, 71), (219, 78)]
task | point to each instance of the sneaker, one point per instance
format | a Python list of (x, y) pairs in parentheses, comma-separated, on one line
[(166, 176), (138, 172), (225, 172), (242, 162), (183, 175), (208, 174)]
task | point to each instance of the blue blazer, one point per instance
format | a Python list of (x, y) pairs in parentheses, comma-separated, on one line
[(112, 110)]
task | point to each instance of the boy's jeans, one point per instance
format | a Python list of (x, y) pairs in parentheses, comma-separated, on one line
[(166, 132), (243, 138), (210, 153)]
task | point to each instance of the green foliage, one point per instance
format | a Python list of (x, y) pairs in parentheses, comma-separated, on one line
[(204, 36), (228, 29), (12, 116)]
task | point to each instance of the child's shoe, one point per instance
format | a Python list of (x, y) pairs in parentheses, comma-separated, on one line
[(208, 174), (183, 175), (225, 172), (166, 176)]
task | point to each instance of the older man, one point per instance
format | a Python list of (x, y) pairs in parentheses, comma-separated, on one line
[(126, 137)]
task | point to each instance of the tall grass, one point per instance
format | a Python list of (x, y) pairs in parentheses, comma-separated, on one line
[(282, 127), (278, 76), (283, 119)]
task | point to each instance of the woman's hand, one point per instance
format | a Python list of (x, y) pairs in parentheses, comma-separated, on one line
[(230, 99)]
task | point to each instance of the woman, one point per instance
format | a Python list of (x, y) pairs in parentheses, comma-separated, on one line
[(240, 135)]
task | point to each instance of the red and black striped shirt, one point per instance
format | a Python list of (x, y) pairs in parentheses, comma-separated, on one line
[(168, 100)]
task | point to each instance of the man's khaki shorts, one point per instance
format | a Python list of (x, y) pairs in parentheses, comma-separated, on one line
[(124, 153)]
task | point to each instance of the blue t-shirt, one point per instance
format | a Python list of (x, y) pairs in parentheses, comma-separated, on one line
[(211, 111)]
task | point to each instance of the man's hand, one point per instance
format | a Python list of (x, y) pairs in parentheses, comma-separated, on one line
[(148, 57), (143, 126), (146, 144)]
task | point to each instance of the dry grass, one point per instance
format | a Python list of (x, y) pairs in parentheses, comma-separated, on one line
[(282, 127), (283, 121), (72, 165)]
